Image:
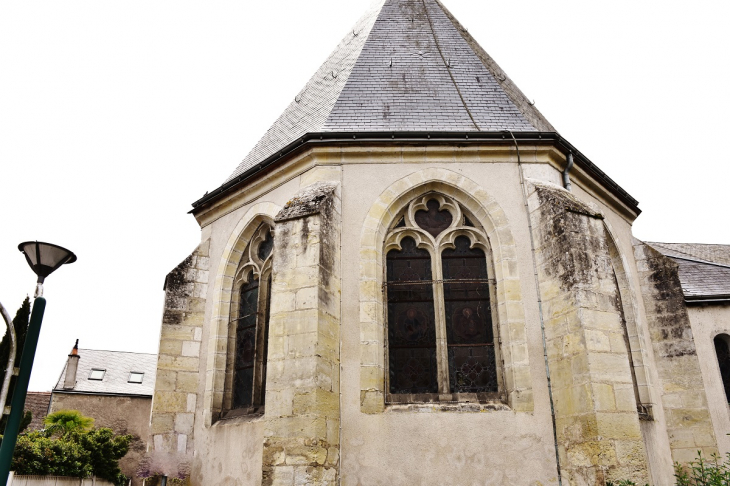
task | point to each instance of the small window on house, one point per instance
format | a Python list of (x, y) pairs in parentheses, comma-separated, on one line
[(135, 377), (97, 374)]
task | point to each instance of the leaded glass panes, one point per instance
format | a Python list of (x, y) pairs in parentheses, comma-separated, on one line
[(246, 345), (440, 330), (468, 318), (245, 390), (723, 359), (411, 330)]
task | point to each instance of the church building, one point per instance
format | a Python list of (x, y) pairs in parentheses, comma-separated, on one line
[(414, 279)]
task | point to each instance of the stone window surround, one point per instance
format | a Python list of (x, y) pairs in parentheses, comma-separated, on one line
[(217, 354), (435, 246), (507, 304), (250, 264)]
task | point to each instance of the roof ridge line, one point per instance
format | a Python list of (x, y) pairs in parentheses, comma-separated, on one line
[(448, 70)]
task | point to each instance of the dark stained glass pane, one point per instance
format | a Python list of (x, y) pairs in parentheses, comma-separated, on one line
[(411, 328), (266, 246), (245, 345), (433, 220), (723, 359), (469, 333)]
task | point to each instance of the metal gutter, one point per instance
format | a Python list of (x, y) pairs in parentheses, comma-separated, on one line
[(106, 394), (314, 139), (707, 299)]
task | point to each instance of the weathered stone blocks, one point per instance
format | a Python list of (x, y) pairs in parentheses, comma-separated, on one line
[(598, 440), (173, 419), (301, 444)]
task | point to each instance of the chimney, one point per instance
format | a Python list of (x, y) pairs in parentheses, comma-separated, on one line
[(73, 365)]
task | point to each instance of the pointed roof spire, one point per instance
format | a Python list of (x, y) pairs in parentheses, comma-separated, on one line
[(407, 65)]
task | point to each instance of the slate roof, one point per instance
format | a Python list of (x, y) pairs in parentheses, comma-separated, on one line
[(37, 403), (704, 270), (407, 65), (118, 365)]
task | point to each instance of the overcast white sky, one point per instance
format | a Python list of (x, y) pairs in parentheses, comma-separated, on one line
[(115, 116)]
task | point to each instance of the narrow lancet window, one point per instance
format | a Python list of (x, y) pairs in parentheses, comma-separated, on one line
[(469, 334), (723, 359), (411, 330), (249, 327)]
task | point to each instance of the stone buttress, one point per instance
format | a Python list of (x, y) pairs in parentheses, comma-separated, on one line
[(597, 422), (682, 391), (178, 365), (301, 437)]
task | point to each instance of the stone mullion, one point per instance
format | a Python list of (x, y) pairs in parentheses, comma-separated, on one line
[(439, 307), (261, 311)]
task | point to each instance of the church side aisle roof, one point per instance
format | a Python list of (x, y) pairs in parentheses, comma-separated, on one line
[(703, 269), (407, 65)]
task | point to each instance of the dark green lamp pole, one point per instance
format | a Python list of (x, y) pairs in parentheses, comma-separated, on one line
[(44, 259)]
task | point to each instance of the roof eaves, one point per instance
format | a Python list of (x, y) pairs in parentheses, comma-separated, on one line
[(311, 139)]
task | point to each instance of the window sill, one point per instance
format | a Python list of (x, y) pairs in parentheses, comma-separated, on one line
[(241, 415), (452, 402)]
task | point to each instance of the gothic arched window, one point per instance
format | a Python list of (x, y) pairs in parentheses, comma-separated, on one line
[(249, 326), (723, 359), (441, 338)]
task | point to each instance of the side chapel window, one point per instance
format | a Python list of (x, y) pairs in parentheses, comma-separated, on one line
[(249, 328), (440, 325), (723, 359)]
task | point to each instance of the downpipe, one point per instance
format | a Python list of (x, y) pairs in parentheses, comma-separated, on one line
[(539, 298), (566, 172)]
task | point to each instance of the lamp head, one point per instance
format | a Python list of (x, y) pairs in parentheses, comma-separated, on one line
[(45, 258)]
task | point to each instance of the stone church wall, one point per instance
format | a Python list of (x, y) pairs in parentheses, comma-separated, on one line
[(326, 413)]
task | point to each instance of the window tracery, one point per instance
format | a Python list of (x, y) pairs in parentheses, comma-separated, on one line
[(441, 337), (249, 326)]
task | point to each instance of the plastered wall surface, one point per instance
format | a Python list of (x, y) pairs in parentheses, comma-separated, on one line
[(707, 322), (229, 453), (418, 447), (124, 415)]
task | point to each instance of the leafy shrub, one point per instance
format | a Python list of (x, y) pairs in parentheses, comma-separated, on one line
[(700, 472), (703, 472), (75, 453), (37, 454)]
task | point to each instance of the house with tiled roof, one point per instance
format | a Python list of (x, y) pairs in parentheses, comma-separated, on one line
[(413, 278), (37, 403), (115, 388)]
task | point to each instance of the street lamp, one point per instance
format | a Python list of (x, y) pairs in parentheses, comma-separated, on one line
[(44, 259)]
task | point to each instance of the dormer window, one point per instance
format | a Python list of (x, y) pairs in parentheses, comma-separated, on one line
[(97, 374), (135, 377)]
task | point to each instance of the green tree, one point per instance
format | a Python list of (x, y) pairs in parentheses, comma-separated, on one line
[(105, 450), (20, 323), (63, 422)]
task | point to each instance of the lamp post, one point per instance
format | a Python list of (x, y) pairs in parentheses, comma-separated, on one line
[(44, 259)]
